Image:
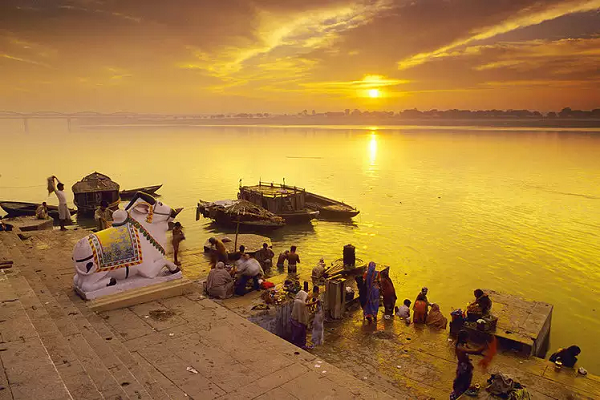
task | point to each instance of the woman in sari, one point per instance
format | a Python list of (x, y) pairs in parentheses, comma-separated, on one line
[(299, 320), (464, 369), (371, 307), (435, 318), (388, 292), (219, 283), (420, 310)]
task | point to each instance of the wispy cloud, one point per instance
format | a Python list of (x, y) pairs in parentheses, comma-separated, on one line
[(24, 60), (278, 49), (524, 19), (100, 11)]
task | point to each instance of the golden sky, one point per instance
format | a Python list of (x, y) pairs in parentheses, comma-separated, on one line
[(195, 56)]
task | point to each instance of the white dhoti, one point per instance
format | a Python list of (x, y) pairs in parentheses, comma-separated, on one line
[(63, 212)]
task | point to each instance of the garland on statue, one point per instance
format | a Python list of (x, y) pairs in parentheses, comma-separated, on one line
[(146, 234)]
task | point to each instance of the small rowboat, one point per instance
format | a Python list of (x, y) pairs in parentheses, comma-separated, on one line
[(19, 208), (128, 194), (329, 208)]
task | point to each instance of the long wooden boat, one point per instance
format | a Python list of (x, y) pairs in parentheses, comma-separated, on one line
[(19, 208), (128, 194), (92, 190), (287, 202), (329, 208), (231, 212)]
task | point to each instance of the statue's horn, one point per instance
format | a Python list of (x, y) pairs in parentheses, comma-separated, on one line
[(141, 195)]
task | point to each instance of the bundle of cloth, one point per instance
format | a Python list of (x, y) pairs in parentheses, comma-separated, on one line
[(51, 187), (505, 387)]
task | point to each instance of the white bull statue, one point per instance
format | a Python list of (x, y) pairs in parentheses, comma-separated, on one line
[(134, 245)]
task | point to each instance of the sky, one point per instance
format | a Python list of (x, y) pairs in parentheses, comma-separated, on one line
[(222, 56)]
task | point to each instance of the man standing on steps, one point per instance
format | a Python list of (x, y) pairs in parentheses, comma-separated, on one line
[(63, 211)]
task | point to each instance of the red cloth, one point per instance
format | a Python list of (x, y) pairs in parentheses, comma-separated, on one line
[(267, 285), (491, 352)]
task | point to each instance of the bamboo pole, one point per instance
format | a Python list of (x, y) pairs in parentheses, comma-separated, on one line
[(237, 230)]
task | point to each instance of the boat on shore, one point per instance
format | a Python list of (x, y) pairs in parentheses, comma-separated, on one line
[(92, 190), (284, 201), (129, 193), (230, 213), (19, 209), (329, 208)]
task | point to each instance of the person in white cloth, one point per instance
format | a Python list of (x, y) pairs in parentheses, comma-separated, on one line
[(63, 211)]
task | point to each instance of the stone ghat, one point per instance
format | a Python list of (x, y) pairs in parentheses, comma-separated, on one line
[(187, 347)]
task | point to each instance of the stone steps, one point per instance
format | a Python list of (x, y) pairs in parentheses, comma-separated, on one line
[(39, 305), (90, 360), (61, 285), (27, 370), (55, 269), (73, 342), (115, 356)]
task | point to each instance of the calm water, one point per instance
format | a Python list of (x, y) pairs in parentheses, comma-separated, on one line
[(515, 211)]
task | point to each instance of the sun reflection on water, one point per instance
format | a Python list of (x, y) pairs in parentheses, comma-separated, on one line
[(373, 148)]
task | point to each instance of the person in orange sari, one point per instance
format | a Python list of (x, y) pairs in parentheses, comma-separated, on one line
[(420, 310), (435, 318)]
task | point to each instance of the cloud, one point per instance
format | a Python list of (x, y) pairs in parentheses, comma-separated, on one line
[(356, 88), (24, 60), (278, 49), (526, 18)]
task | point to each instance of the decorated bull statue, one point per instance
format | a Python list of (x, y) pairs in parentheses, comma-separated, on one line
[(133, 246)]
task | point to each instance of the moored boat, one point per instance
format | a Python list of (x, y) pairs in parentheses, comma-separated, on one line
[(92, 190), (230, 213), (129, 193), (19, 208), (329, 208), (284, 201)]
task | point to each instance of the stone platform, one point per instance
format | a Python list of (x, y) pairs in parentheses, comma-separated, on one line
[(522, 325), (26, 224), (129, 285)]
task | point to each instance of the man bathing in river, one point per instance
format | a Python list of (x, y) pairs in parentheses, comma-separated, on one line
[(281, 260), (293, 259)]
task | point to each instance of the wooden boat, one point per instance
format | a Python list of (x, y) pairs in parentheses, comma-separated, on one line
[(19, 208), (128, 194), (92, 190), (231, 212), (284, 201), (329, 208)]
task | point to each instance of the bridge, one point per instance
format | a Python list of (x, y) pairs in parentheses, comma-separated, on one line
[(69, 117)]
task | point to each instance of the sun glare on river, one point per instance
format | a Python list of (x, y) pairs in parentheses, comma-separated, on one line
[(373, 148)]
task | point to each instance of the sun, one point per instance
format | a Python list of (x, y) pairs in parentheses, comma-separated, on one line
[(374, 93)]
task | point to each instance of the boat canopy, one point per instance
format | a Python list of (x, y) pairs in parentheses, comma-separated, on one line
[(95, 182), (274, 197)]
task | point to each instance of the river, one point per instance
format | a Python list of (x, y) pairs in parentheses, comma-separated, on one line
[(514, 210)]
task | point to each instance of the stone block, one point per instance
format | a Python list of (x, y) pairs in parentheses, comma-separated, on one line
[(157, 316), (126, 323), (31, 373)]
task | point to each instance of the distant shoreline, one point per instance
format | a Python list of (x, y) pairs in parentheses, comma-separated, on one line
[(351, 123)]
